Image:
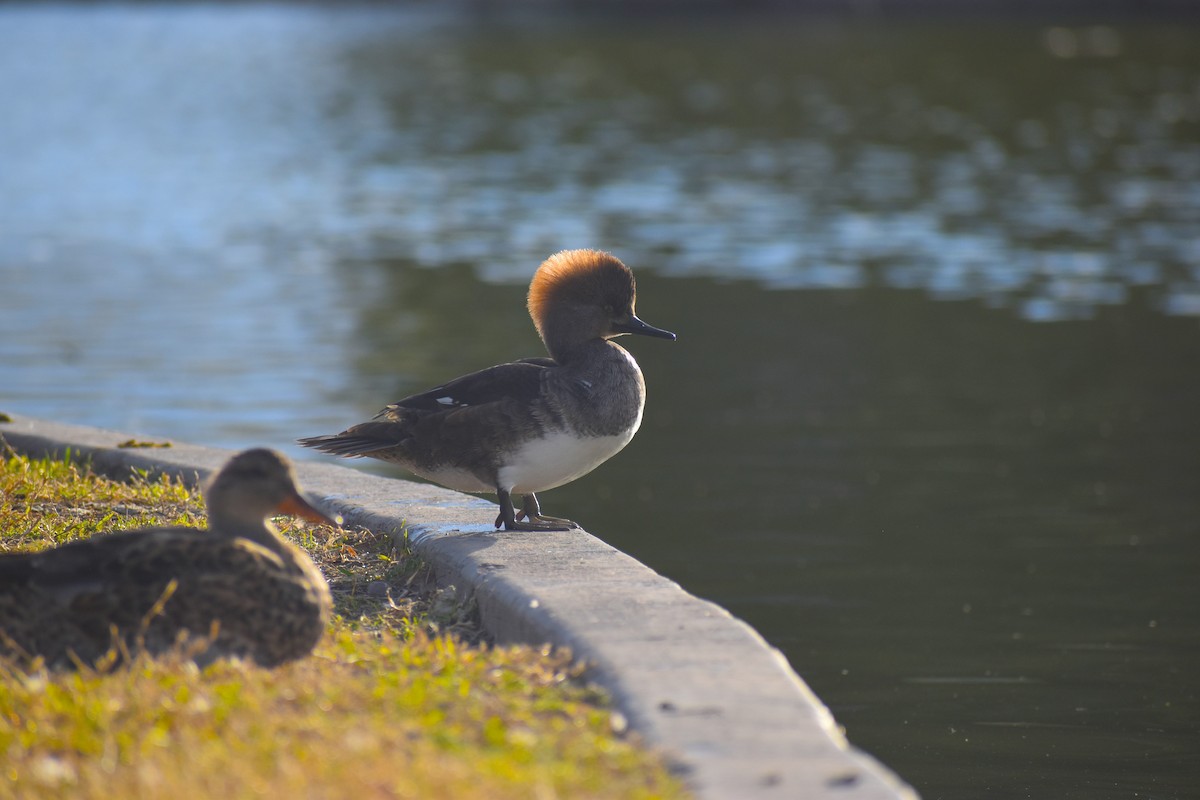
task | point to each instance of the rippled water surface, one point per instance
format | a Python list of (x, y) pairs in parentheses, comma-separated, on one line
[(931, 422)]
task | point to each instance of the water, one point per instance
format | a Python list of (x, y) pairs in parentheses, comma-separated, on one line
[(930, 424)]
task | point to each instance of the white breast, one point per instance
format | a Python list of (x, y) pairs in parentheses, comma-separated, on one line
[(559, 458)]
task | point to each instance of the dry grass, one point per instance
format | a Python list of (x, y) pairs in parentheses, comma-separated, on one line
[(395, 702)]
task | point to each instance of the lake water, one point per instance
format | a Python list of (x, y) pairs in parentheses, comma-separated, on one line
[(932, 424)]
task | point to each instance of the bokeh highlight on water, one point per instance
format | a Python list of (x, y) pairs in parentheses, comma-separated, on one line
[(930, 422)]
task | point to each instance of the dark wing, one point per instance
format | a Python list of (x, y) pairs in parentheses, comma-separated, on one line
[(446, 416), (519, 380)]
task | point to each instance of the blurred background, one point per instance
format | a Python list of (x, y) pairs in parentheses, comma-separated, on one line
[(931, 424)]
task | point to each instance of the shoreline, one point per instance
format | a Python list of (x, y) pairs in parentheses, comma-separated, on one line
[(692, 679)]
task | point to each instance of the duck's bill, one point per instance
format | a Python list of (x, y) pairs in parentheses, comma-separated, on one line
[(297, 506), (638, 328)]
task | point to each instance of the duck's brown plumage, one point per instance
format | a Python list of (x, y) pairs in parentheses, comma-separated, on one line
[(259, 596)]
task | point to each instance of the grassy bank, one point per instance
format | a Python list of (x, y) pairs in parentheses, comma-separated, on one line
[(399, 700)]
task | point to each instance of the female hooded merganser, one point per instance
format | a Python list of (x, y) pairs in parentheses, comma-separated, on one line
[(239, 582), (533, 424)]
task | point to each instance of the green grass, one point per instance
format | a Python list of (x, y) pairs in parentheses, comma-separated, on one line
[(47, 502), (396, 701)]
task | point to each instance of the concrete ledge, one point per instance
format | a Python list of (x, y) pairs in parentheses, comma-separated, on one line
[(688, 676)]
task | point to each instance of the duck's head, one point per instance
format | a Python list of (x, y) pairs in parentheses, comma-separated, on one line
[(580, 295), (253, 486)]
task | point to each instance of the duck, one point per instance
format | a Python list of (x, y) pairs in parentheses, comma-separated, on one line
[(235, 590), (533, 424)]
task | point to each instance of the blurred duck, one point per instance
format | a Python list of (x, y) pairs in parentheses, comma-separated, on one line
[(239, 583), (533, 424)]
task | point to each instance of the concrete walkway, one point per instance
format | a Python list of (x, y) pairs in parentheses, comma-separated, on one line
[(692, 679)]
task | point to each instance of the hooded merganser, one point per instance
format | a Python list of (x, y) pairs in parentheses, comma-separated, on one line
[(533, 424), (239, 582)]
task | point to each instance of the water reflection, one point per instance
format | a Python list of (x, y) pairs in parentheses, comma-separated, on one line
[(836, 158), (973, 532)]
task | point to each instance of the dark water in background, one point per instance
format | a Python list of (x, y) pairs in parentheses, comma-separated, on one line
[(931, 423)]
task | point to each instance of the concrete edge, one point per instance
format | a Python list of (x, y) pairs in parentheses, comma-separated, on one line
[(691, 678)]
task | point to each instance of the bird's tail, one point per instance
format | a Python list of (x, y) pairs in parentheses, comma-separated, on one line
[(346, 444)]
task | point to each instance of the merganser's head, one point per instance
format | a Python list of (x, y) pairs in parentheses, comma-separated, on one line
[(580, 295)]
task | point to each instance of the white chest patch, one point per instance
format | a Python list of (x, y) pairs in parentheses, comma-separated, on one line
[(557, 459)]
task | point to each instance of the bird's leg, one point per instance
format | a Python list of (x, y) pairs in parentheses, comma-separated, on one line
[(506, 516), (535, 522), (523, 511), (532, 509), (530, 506)]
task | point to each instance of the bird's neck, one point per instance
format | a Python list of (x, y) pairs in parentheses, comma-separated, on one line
[(259, 531)]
